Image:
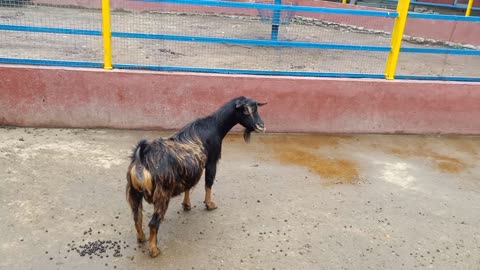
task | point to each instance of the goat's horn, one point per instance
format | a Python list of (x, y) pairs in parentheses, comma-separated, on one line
[(262, 103)]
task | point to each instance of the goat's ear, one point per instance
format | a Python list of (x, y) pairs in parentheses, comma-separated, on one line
[(239, 103), (259, 104)]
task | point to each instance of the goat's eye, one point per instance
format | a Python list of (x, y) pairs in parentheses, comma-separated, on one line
[(249, 110)]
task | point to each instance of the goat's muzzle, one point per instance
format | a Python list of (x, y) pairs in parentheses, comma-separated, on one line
[(260, 128)]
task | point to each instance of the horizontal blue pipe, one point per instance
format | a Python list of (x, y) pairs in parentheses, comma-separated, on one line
[(67, 63), (217, 3), (55, 30), (443, 17), (48, 62), (250, 71), (457, 6), (255, 42), (440, 51), (437, 78), (295, 73)]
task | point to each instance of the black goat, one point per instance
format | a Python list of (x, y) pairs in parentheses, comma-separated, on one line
[(165, 168)]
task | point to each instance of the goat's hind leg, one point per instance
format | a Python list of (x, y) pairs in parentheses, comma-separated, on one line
[(161, 201), (135, 200)]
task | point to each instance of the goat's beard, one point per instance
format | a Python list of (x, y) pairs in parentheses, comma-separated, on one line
[(246, 135)]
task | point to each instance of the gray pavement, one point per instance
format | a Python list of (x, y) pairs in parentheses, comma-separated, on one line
[(285, 202)]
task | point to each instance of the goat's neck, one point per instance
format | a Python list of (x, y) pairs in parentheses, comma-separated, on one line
[(225, 121)]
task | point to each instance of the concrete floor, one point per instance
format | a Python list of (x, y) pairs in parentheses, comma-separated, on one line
[(285, 202)]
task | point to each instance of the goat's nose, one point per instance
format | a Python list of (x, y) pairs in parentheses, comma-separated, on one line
[(261, 127)]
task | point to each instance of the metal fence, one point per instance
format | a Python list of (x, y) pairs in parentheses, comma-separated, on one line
[(273, 37)]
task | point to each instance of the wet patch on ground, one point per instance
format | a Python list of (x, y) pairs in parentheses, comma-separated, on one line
[(301, 150), (441, 162)]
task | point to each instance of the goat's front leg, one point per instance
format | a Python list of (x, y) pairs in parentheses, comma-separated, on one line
[(161, 201), (187, 205), (210, 171)]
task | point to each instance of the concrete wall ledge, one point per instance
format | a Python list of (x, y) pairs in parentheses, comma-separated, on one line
[(93, 98)]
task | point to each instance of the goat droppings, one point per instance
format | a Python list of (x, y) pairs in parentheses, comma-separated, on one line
[(99, 248)]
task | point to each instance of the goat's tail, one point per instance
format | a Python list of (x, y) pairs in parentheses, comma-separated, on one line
[(139, 151), (140, 177)]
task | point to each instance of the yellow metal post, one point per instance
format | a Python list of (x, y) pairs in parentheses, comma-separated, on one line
[(397, 35), (469, 7), (107, 35), (344, 1)]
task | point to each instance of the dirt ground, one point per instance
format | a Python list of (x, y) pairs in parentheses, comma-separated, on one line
[(285, 202), (159, 52)]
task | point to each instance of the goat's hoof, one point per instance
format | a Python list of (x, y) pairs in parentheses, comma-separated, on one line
[(186, 206), (141, 239), (210, 206), (154, 252)]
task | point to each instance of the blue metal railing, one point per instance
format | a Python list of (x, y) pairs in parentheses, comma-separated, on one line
[(443, 17), (254, 42), (237, 41), (53, 30), (272, 42), (50, 62), (62, 63), (276, 20)]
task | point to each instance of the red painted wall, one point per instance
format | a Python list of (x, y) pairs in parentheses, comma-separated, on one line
[(462, 32), (61, 97)]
